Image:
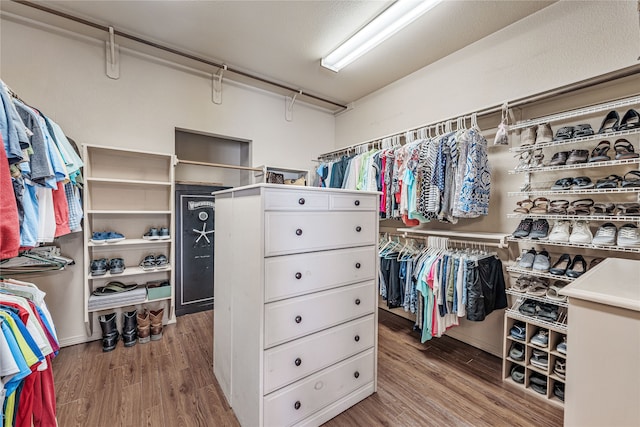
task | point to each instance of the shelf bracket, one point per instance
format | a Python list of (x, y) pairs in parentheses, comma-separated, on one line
[(288, 106), (216, 79), (112, 56)]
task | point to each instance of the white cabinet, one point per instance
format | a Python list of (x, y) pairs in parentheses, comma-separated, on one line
[(295, 320)]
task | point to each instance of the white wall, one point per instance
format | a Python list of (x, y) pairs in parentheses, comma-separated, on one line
[(64, 77)]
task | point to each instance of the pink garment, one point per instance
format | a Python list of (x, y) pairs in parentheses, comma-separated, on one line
[(9, 222), (61, 209)]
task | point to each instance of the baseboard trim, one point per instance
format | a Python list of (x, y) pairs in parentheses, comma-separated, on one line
[(79, 339)]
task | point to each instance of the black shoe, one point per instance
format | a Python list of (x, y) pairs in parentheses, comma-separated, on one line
[(558, 390), (610, 122), (129, 328), (524, 228), (539, 229), (109, 331), (577, 268)]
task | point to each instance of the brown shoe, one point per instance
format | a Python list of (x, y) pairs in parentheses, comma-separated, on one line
[(156, 323), (143, 327)]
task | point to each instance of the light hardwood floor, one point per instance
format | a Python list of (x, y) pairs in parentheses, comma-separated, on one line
[(170, 383)]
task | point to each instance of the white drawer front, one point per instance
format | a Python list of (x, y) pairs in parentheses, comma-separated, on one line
[(290, 362), (352, 202), (301, 399), (292, 232), (294, 275), (295, 200), (295, 317)]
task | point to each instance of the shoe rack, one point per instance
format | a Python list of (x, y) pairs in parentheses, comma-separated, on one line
[(128, 192), (532, 161)]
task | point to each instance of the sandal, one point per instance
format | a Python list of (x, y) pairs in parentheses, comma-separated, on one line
[(603, 208), (522, 284), (552, 292), (559, 158), (624, 150), (580, 207), (630, 179), (523, 206), (558, 207), (524, 159), (599, 154), (628, 209), (540, 206), (564, 133), (113, 287), (562, 184), (583, 130), (582, 183), (630, 120), (536, 160), (610, 181), (538, 288), (610, 122)]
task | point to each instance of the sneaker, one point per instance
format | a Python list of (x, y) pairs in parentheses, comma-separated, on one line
[(148, 263), (516, 352), (628, 236), (99, 237), (162, 262), (541, 261), (163, 233), (562, 346), (539, 229), (541, 338), (99, 267), (528, 136), (605, 235), (560, 231), (116, 266), (526, 260), (580, 233), (539, 359), (113, 237), (152, 234), (524, 228), (544, 133)]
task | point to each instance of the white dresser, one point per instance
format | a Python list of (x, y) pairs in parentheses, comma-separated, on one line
[(295, 318)]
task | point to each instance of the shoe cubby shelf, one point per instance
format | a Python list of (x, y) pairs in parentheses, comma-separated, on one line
[(138, 304), (541, 192), (535, 273), (613, 105), (608, 218), (525, 296), (635, 250), (127, 192), (131, 242), (555, 144), (587, 165), (555, 326)]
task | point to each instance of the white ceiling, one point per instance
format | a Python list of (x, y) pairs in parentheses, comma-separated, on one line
[(284, 40)]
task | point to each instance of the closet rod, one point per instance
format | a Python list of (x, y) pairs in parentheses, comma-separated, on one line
[(520, 102), (219, 165), (176, 51)]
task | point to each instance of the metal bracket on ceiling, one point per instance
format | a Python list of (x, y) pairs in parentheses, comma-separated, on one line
[(112, 56), (217, 85), (288, 106)]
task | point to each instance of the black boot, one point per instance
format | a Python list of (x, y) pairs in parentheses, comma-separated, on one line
[(109, 331), (129, 328)]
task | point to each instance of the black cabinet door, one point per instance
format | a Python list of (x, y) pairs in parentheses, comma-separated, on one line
[(195, 228)]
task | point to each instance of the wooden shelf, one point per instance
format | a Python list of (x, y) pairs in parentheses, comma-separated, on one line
[(129, 271)]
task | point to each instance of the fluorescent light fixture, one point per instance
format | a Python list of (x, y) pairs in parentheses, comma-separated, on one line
[(393, 19)]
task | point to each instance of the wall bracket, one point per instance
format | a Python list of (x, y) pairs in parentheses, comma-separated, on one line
[(288, 106), (216, 80), (112, 56)]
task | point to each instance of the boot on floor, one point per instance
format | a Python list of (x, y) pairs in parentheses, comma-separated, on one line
[(156, 323), (144, 323), (109, 331), (129, 328)]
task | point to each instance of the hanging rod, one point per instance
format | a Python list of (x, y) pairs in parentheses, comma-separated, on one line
[(520, 102), (175, 51), (500, 238)]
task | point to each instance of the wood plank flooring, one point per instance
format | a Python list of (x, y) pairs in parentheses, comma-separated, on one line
[(170, 383)]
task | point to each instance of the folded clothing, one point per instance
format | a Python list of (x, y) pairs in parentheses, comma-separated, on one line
[(134, 296)]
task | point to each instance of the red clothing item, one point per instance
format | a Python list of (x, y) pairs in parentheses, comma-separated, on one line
[(23, 314), (61, 209), (44, 402), (9, 222)]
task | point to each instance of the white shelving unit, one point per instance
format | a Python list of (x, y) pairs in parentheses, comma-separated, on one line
[(128, 192)]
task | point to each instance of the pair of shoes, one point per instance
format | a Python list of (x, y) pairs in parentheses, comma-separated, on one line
[(100, 266), (538, 229), (628, 235), (110, 333), (534, 260), (541, 338), (154, 262), (569, 132), (536, 134), (113, 288), (612, 123), (157, 234), (566, 231), (101, 237), (577, 183), (532, 308), (570, 268), (537, 286), (538, 205), (150, 325)]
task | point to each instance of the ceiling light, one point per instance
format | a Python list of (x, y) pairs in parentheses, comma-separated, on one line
[(393, 19)]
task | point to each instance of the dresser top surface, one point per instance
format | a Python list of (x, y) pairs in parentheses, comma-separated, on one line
[(294, 188)]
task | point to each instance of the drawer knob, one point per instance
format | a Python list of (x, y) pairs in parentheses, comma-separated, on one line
[(298, 319), (357, 265), (301, 201), (298, 361), (299, 232), (297, 405), (358, 229), (357, 203), (357, 338), (357, 301), (298, 275), (356, 374)]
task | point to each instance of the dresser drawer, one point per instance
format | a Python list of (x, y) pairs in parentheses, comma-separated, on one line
[(292, 404), (293, 275), (353, 202), (290, 362), (293, 232), (295, 317), (295, 200)]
